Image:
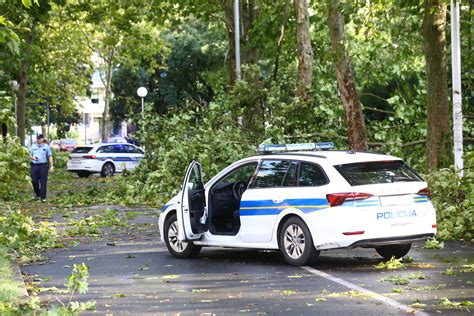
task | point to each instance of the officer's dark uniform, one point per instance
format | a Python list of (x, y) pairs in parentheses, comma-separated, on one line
[(39, 168)]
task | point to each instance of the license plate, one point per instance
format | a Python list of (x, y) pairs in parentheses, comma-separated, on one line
[(76, 162), (396, 200)]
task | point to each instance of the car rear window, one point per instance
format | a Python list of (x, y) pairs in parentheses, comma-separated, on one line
[(68, 141), (375, 172), (82, 150), (311, 175)]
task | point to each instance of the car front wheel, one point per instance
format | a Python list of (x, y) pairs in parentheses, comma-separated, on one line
[(108, 170), (397, 251), (178, 248), (296, 243)]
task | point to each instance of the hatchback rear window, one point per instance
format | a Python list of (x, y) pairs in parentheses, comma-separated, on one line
[(375, 172), (82, 150), (68, 141)]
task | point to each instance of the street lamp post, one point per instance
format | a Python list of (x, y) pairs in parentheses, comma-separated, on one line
[(16, 87), (85, 127), (142, 92)]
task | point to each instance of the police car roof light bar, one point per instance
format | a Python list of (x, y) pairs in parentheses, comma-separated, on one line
[(294, 147)]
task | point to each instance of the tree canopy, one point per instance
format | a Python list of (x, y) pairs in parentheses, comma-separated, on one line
[(295, 73)]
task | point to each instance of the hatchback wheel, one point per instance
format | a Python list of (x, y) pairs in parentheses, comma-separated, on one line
[(108, 170), (296, 243), (83, 174), (178, 248)]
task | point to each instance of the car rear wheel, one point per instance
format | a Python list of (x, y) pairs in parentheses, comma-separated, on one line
[(83, 174), (397, 251), (178, 248), (296, 243), (108, 170)]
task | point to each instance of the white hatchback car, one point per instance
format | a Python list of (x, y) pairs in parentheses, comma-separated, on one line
[(301, 203), (105, 159)]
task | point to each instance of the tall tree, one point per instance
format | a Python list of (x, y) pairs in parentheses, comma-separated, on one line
[(305, 51), (25, 63), (228, 8), (437, 107), (119, 33), (31, 18), (357, 135)]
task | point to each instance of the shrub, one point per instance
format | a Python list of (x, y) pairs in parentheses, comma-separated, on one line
[(453, 200), (171, 142), (20, 233), (14, 170)]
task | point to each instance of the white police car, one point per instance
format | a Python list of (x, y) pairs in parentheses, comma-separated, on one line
[(301, 203), (105, 159)]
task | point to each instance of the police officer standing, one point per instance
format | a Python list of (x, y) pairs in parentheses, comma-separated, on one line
[(40, 153)]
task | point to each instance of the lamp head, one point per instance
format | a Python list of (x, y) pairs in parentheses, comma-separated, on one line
[(142, 92)]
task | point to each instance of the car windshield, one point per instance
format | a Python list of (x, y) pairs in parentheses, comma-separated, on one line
[(82, 150), (375, 172)]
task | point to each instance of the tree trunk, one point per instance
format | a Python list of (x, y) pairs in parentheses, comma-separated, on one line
[(23, 84), (108, 90), (248, 16), (286, 12), (437, 106), (305, 51), (228, 8), (4, 131), (345, 79)]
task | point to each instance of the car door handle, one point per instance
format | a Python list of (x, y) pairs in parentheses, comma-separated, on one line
[(277, 201)]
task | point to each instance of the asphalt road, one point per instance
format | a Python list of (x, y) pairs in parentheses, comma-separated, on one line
[(131, 272)]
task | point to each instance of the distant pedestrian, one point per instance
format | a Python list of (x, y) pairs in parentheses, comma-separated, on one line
[(40, 153)]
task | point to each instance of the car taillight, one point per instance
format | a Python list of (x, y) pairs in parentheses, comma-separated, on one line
[(89, 157), (425, 192), (336, 199)]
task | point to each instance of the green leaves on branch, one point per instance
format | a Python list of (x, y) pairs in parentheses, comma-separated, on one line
[(454, 201), (14, 167), (23, 235), (77, 281)]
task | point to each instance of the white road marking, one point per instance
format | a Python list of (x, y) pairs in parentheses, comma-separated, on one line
[(373, 295)]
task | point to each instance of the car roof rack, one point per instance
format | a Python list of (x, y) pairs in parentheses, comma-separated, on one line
[(275, 148)]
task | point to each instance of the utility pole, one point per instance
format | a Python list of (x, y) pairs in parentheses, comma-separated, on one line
[(456, 78), (237, 38)]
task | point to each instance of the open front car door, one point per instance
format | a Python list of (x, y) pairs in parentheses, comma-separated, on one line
[(192, 217)]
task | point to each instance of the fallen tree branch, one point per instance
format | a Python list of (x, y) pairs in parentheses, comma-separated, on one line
[(377, 110), (466, 140)]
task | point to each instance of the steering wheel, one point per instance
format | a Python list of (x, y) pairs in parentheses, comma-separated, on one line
[(238, 189)]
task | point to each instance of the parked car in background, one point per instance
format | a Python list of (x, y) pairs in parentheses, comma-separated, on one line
[(54, 144), (105, 159), (67, 144)]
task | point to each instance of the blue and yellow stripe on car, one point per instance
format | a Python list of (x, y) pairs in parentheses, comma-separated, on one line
[(120, 158), (362, 203), (421, 199), (269, 207)]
